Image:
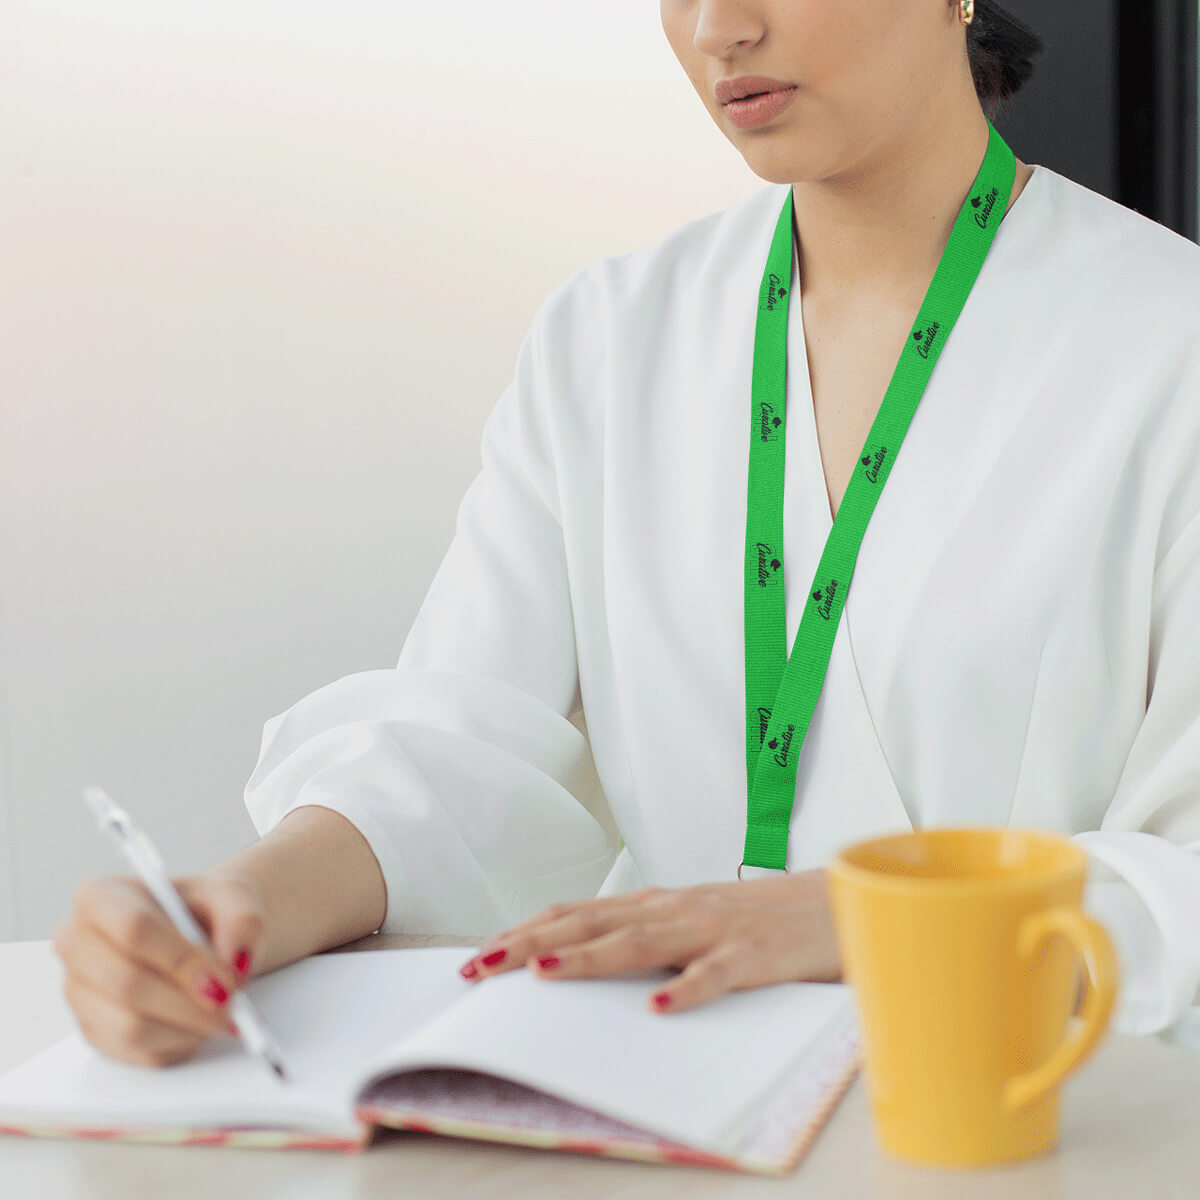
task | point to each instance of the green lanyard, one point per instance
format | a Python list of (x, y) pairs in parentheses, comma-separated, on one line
[(781, 692)]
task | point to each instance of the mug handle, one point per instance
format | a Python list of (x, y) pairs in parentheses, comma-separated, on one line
[(1096, 949)]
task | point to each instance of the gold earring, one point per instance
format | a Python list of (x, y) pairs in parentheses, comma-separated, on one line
[(966, 11)]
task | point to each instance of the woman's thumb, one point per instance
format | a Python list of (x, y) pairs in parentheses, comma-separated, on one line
[(229, 909)]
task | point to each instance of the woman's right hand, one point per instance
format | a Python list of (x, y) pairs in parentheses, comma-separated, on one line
[(139, 989)]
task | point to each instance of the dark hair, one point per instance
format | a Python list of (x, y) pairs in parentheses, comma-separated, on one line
[(1001, 50)]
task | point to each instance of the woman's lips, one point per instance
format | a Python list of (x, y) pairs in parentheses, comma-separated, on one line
[(754, 111)]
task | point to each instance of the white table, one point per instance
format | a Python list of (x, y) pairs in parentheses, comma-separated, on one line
[(1131, 1127)]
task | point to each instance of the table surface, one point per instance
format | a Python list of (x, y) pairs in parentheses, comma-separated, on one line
[(1130, 1121)]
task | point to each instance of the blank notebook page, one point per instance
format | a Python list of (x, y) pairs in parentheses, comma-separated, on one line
[(689, 1076), (330, 1014)]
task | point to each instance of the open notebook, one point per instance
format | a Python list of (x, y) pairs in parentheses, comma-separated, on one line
[(397, 1038)]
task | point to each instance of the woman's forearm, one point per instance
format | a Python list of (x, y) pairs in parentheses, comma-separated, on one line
[(320, 882)]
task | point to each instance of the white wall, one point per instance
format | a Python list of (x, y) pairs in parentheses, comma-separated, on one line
[(262, 277)]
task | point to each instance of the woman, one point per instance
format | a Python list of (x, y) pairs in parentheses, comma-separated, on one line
[(1018, 645)]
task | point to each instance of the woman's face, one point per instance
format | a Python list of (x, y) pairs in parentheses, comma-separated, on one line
[(868, 72)]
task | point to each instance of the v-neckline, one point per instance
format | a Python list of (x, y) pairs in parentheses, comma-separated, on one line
[(853, 710)]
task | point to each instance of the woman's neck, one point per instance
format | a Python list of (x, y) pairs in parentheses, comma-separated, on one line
[(882, 229)]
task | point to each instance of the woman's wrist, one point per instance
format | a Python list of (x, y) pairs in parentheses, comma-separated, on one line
[(319, 882), (811, 896)]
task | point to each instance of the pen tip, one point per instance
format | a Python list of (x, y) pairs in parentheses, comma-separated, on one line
[(278, 1069)]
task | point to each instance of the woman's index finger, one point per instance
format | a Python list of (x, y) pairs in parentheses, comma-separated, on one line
[(123, 911)]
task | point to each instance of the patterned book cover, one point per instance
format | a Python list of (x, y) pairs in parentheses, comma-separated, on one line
[(472, 1105)]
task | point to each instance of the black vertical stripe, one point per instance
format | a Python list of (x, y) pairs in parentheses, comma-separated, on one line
[(1157, 111)]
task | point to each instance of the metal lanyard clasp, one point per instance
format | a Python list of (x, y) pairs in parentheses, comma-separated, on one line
[(758, 872)]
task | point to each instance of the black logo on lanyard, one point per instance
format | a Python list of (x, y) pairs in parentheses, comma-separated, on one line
[(783, 744), (764, 718), (775, 293), (769, 423), (927, 337), (874, 464), (768, 564), (984, 207), (825, 597)]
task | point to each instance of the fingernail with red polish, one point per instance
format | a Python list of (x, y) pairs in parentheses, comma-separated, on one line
[(468, 970), (496, 956), (212, 988), (548, 961), (661, 999), (241, 961)]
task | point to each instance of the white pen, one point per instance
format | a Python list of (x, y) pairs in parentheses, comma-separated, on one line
[(147, 862)]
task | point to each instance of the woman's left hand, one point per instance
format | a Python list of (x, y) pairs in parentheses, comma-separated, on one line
[(725, 937)]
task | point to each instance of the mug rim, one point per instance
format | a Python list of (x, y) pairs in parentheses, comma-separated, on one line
[(885, 880)]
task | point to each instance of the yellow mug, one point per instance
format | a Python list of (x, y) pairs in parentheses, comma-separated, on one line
[(961, 946)]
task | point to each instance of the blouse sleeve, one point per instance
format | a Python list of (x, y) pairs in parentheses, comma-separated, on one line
[(1145, 884), (462, 767)]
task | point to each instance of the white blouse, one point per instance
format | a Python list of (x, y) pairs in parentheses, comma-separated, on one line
[(1021, 638)]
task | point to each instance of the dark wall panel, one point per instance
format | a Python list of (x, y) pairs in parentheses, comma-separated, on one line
[(1065, 117), (1113, 101), (1157, 104)]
